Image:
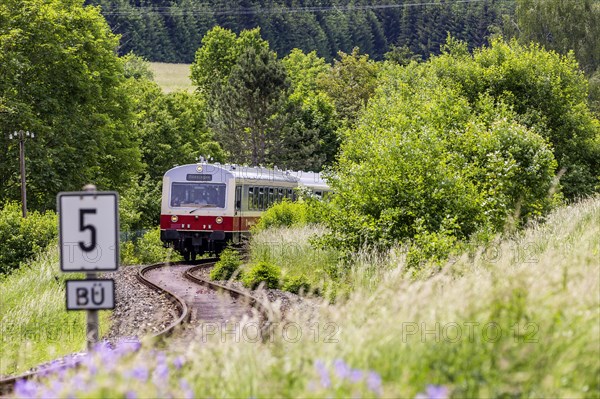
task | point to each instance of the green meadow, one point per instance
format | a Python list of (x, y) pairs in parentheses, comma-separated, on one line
[(171, 77)]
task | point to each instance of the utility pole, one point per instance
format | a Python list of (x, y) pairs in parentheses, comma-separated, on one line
[(22, 135)]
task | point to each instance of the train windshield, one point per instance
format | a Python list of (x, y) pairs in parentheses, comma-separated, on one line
[(198, 195)]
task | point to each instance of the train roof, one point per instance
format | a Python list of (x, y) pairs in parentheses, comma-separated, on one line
[(312, 180), (308, 179)]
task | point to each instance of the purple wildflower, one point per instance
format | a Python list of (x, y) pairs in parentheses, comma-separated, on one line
[(178, 362), (436, 392), (140, 373), (342, 370), (161, 357), (323, 373), (188, 393), (102, 346), (93, 368), (130, 395), (77, 382), (374, 382), (128, 345), (356, 375), (70, 362), (25, 389), (161, 373)]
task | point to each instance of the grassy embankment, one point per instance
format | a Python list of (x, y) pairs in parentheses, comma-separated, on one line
[(172, 77), (515, 319), (35, 326)]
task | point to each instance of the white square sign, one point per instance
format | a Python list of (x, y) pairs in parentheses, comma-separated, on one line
[(90, 294), (88, 231)]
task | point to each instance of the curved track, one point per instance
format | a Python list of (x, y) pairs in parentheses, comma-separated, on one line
[(204, 302), (197, 300)]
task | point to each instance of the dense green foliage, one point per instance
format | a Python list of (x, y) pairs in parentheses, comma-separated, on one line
[(171, 31), (547, 92), (296, 284), (351, 82), (284, 214), (261, 112), (563, 26), (262, 273), (245, 113), (20, 238), (171, 130), (61, 79), (463, 144), (147, 250), (228, 265)]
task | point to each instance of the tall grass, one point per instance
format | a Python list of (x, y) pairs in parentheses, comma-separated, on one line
[(520, 318), (290, 249), (35, 326)]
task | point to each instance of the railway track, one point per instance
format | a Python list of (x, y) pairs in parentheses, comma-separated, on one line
[(178, 283)]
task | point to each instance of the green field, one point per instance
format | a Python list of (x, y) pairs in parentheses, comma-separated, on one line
[(172, 77)]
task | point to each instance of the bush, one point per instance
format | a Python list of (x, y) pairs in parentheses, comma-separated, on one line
[(425, 164), (147, 250), (547, 92), (227, 266), (21, 238), (283, 214), (262, 272), (296, 284)]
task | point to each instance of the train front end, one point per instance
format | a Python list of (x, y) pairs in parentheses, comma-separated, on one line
[(197, 209)]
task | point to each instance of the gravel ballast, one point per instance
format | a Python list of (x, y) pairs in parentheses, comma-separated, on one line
[(139, 310)]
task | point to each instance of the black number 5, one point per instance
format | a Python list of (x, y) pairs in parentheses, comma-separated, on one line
[(84, 227)]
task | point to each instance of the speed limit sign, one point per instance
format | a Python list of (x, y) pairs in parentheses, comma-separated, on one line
[(88, 231)]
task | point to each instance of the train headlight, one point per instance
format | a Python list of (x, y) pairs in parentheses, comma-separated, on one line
[(219, 220), (174, 218), (199, 168)]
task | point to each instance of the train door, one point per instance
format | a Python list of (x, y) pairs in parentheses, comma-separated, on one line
[(237, 218)]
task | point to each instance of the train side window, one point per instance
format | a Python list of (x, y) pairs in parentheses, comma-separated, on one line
[(319, 194), (238, 198), (250, 197), (290, 193), (271, 196), (261, 198), (280, 194), (256, 199)]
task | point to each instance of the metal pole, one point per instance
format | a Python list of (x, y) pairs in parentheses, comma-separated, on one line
[(92, 334), (22, 164)]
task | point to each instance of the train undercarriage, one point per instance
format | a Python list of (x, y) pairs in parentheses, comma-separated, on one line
[(191, 244)]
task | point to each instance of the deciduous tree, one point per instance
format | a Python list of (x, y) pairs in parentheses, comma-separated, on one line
[(60, 77)]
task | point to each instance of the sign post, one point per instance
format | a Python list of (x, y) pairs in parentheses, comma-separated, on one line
[(89, 243)]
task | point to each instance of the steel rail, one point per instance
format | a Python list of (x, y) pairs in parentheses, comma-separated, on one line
[(264, 310)]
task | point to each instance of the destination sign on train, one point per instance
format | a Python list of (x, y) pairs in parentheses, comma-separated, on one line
[(199, 177)]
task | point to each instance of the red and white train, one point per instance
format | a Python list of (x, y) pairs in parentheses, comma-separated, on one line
[(205, 206)]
